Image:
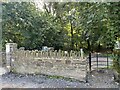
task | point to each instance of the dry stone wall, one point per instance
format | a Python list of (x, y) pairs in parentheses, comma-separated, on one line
[(60, 63)]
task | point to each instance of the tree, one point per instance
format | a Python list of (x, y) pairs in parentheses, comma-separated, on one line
[(25, 25), (62, 25)]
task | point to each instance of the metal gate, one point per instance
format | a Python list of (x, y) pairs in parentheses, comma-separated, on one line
[(101, 61)]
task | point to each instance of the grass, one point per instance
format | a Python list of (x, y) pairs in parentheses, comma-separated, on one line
[(61, 77)]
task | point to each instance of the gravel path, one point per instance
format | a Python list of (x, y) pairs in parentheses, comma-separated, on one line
[(101, 79), (2, 71)]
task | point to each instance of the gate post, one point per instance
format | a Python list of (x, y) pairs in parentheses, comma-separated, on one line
[(10, 47), (90, 61), (97, 59)]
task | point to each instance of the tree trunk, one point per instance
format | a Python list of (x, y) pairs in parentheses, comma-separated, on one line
[(72, 42)]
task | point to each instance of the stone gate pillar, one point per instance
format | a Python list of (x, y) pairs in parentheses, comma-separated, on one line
[(10, 47)]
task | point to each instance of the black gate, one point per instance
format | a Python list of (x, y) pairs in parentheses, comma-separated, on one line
[(100, 61)]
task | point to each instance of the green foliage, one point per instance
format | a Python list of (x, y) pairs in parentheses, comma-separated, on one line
[(25, 25), (116, 61), (61, 25)]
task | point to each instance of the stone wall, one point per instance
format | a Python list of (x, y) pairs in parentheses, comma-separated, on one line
[(3, 59), (60, 63)]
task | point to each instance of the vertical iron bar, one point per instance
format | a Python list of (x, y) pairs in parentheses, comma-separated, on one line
[(90, 61), (97, 60), (107, 62), (89, 48)]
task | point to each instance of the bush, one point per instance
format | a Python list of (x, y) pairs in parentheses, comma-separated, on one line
[(116, 62)]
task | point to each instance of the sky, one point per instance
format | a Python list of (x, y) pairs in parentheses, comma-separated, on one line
[(39, 3)]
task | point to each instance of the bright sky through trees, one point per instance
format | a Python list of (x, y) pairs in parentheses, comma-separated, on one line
[(39, 4)]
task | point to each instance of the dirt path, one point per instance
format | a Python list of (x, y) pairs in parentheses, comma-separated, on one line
[(101, 79), (2, 70)]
